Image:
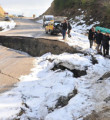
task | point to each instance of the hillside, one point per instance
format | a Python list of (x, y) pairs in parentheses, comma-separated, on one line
[(1, 12), (93, 10)]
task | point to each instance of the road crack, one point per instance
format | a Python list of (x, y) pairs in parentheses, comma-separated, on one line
[(8, 75)]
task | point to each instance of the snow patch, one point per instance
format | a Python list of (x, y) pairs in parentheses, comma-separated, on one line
[(40, 21), (79, 25), (7, 25)]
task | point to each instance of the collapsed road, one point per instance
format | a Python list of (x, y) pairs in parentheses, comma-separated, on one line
[(28, 36)]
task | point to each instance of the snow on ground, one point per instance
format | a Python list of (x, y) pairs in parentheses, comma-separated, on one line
[(79, 24), (79, 29), (79, 36), (45, 93), (40, 21), (36, 96), (7, 25), (79, 41)]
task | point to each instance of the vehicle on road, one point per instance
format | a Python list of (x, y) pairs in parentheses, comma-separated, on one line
[(7, 18), (47, 19), (20, 16), (53, 27)]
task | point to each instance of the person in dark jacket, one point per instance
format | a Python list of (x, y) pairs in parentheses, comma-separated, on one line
[(91, 37), (64, 29), (99, 37), (105, 44), (69, 29)]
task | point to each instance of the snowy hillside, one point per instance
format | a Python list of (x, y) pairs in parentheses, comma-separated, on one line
[(79, 24), (93, 10)]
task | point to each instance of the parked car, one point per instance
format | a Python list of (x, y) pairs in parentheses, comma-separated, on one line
[(53, 27), (20, 16), (47, 19), (7, 18)]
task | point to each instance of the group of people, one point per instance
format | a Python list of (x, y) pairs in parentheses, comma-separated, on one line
[(66, 27), (101, 39)]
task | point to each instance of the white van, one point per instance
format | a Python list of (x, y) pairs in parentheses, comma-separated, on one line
[(47, 19)]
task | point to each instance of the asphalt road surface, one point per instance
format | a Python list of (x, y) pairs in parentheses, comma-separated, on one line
[(28, 28), (12, 63)]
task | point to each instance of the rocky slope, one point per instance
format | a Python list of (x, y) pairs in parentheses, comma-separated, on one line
[(93, 10)]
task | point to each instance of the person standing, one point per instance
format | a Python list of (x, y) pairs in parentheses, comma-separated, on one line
[(69, 29), (105, 43), (64, 29), (99, 37), (91, 37)]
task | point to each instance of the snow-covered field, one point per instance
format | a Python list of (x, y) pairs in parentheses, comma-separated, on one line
[(54, 91), (7, 25)]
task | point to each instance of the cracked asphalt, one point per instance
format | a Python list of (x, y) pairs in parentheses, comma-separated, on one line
[(14, 64)]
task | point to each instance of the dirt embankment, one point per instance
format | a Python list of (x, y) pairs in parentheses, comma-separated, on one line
[(37, 46), (103, 115)]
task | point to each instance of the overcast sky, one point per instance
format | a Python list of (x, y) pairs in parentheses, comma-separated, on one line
[(25, 7)]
